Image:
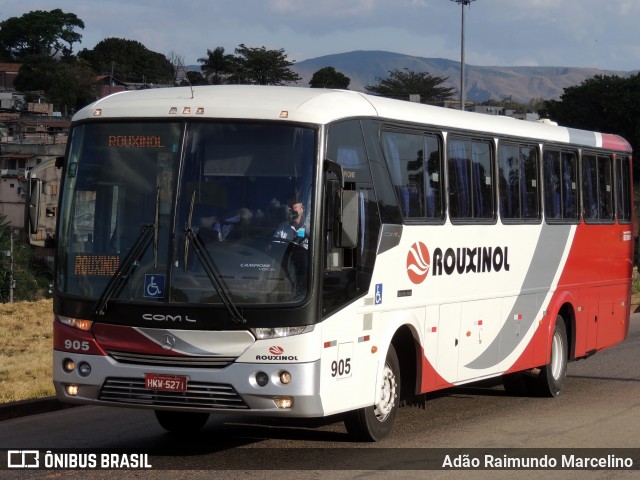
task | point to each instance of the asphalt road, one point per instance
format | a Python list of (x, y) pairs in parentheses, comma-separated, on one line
[(599, 408)]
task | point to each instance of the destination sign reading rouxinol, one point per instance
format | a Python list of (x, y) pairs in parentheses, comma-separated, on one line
[(135, 141)]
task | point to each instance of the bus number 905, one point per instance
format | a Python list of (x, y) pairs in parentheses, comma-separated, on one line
[(76, 345), (341, 368)]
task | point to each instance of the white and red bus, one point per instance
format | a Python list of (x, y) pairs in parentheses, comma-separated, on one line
[(302, 253)]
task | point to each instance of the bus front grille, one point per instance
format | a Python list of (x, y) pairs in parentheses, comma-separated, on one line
[(132, 391), (171, 360)]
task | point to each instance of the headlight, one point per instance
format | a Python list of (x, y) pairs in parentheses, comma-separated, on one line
[(279, 332), (84, 325)]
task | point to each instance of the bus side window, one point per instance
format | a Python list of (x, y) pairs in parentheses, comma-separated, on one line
[(597, 188), (414, 163), (433, 177), (560, 188), (623, 189), (518, 179), (470, 184), (569, 186), (405, 158)]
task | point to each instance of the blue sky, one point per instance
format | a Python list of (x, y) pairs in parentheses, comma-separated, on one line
[(572, 33)]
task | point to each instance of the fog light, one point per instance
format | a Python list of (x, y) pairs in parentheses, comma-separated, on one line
[(84, 369), (285, 378), (72, 390), (283, 402), (262, 379), (68, 365)]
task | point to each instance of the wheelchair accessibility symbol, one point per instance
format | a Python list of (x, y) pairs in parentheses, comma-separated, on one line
[(153, 285), (378, 298)]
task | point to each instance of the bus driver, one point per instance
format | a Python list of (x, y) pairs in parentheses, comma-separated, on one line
[(294, 230), (294, 234)]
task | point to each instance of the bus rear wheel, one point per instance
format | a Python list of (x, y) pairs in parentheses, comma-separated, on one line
[(552, 376), (374, 423), (181, 422)]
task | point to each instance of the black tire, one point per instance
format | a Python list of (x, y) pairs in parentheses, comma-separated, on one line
[(516, 384), (374, 423), (181, 422), (552, 376)]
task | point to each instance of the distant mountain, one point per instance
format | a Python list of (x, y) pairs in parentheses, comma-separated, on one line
[(483, 83)]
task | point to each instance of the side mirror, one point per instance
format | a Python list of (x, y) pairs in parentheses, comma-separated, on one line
[(35, 190), (347, 221), (345, 209)]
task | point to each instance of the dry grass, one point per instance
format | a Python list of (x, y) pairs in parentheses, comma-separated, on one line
[(26, 336)]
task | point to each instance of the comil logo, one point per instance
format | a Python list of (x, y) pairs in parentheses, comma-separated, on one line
[(418, 262)]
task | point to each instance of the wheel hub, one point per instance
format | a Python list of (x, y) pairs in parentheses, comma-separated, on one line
[(387, 395)]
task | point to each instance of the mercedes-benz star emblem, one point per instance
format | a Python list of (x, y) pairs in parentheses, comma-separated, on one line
[(168, 342)]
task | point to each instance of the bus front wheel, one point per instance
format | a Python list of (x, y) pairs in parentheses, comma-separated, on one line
[(181, 422), (374, 423)]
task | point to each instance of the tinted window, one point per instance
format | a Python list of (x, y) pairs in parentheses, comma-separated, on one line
[(623, 188), (470, 179), (560, 171), (518, 177), (414, 161), (597, 188)]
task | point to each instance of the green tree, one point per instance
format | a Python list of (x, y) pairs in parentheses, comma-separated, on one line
[(329, 77), (31, 280), (39, 33), (72, 87), (403, 83), (217, 66), (194, 78), (67, 84), (603, 103), (130, 61), (36, 73), (259, 66)]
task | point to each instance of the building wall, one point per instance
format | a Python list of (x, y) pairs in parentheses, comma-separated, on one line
[(12, 200)]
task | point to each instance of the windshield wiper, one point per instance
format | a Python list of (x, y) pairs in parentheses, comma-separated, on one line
[(124, 271), (156, 227), (209, 266)]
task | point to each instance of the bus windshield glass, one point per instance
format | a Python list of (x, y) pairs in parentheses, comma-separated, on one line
[(187, 213)]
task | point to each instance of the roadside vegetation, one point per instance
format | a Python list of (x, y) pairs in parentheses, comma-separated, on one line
[(635, 288), (26, 340)]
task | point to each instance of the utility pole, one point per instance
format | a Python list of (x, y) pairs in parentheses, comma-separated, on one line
[(11, 282), (462, 91)]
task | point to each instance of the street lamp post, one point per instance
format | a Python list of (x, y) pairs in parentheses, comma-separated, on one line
[(11, 280), (9, 253), (462, 92)]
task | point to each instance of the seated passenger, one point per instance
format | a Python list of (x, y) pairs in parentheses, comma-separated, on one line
[(214, 230)]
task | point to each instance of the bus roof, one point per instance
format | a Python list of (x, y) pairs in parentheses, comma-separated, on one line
[(320, 106)]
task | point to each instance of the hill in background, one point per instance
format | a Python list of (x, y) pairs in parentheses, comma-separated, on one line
[(483, 83)]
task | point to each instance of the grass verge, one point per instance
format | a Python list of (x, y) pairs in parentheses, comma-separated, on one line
[(26, 336)]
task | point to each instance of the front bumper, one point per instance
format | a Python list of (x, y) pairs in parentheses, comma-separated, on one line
[(232, 389)]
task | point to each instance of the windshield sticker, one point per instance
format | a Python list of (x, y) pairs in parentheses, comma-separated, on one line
[(154, 285)]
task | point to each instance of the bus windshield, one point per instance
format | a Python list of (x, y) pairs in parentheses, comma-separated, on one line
[(187, 213)]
